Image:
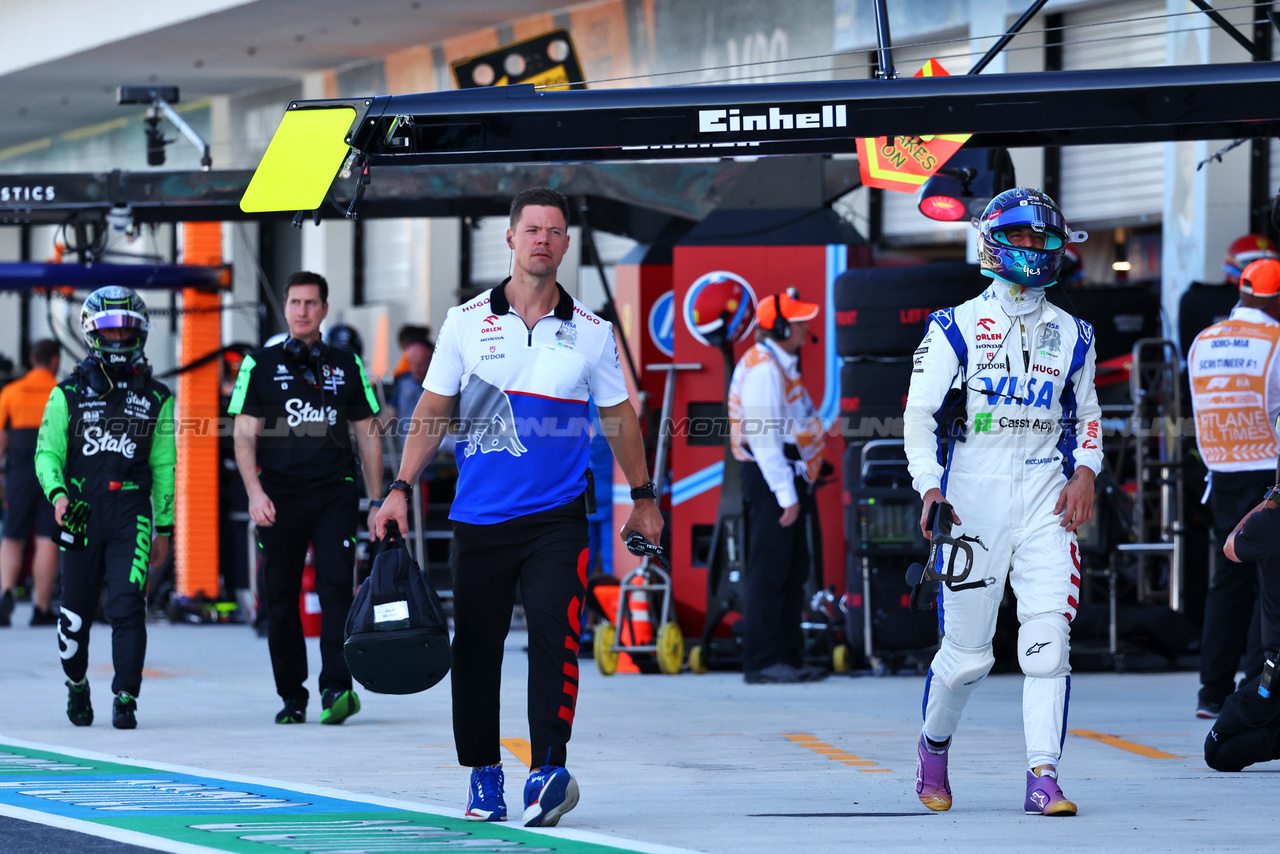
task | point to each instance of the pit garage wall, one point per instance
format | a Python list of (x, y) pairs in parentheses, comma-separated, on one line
[(1201, 211), (697, 470)]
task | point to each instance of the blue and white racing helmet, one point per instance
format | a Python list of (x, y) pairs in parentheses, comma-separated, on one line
[(1029, 267)]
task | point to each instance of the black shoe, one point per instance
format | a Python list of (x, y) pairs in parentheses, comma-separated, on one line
[(6, 609), (773, 674), (79, 709), (336, 706), (1208, 711), (41, 617), (294, 712), (813, 674), (124, 711)]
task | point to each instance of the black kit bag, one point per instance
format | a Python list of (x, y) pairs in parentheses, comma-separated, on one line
[(397, 633)]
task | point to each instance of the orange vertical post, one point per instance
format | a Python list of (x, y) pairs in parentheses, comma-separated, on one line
[(197, 414)]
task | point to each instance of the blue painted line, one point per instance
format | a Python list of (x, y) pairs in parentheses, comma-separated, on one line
[(829, 410), (697, 483)]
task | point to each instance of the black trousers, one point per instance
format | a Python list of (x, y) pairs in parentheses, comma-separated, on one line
[(325, 519), (1231, 614), (547, 554), (117, 553), (1247, 730), (778, 563)]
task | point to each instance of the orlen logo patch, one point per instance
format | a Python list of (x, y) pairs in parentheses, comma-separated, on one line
[(986, 323), (1091, 431)]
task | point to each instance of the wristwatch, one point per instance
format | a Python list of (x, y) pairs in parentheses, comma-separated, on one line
[(402, 485), (1273, 495), (648, 491)]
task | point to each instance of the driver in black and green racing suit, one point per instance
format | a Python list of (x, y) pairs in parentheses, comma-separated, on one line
[(105, 458)]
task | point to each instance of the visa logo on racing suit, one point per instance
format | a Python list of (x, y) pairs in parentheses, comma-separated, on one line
[(96, 439), (1035, 392)]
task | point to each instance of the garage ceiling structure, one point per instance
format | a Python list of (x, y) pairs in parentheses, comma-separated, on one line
[(205, 47)]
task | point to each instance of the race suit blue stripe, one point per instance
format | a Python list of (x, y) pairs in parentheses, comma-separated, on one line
[(1067, 444)]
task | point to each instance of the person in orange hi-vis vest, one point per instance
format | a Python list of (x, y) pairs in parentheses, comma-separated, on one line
[(1235, 392), (777, 438), (27, 511)]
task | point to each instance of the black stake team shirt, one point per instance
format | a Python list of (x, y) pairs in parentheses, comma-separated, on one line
[(305, 409)]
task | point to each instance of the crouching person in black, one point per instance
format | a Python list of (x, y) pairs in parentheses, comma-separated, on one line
[(1248, 729)]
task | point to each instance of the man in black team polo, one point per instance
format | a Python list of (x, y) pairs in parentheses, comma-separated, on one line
[(296, 405)]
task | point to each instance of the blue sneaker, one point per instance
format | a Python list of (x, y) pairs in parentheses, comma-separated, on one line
[(549, 793), (484, 800)]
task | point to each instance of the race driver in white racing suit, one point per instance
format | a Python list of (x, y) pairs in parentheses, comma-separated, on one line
[(1018, 476)]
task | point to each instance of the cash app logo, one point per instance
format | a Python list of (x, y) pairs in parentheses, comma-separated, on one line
[(982, 422)]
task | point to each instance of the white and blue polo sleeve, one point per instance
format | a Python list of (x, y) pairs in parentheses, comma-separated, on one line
[(445, 372), (607, 385)]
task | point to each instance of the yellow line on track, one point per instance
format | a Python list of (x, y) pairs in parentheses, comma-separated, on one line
[(804, 739), (519, 748), (1132, 747)]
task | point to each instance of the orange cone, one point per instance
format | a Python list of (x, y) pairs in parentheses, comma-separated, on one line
[(607, 596)]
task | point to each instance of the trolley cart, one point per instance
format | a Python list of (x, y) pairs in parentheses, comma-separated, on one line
[(883, 537), (651, 578)]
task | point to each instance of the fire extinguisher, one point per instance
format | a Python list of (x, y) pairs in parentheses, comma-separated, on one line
[(309, 601)]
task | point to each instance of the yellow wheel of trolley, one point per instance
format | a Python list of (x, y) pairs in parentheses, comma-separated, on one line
[(840, 658), (602, 649), (697, 663), (670, 653)]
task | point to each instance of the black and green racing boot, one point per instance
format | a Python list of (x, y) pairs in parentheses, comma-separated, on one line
[(124, 711), (337, 706), (294, 712), (79, 709)]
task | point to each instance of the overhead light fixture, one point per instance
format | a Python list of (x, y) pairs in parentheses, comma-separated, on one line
[(159, 100), (1121, 266), (963, 186)]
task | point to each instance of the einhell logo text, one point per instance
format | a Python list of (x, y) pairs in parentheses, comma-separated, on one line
[(732, 120)]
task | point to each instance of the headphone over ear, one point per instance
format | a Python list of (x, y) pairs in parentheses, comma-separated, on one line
[(781, 328)]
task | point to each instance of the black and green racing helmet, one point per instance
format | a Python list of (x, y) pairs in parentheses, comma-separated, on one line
[(115, 307)]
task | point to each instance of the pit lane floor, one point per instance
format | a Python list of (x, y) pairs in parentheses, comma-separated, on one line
[(697, 762)]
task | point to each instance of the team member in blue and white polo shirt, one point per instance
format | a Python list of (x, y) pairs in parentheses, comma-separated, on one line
[(521, 361)]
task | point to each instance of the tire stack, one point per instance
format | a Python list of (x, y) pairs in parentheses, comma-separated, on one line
[(880, 319), (881, 313)]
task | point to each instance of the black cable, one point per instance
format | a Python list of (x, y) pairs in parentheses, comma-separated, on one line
[(919, 44)]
